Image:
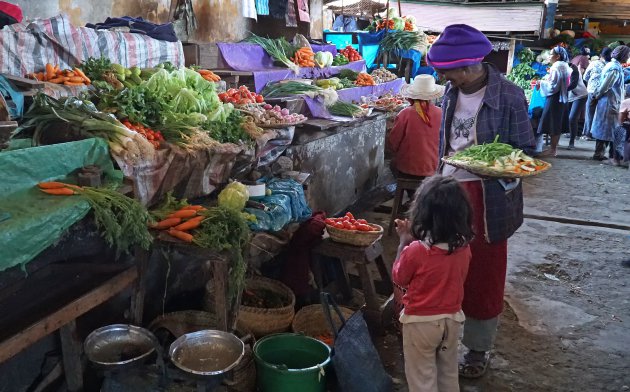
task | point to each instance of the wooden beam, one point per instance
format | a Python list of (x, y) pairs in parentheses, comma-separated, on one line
[(511, 56), (18, 342)]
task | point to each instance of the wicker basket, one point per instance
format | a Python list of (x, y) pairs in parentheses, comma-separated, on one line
[(355, 237), (243, 378), (311, 321), (263, 321)]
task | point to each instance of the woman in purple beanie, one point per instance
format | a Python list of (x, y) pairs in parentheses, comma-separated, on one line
[(479, 104)]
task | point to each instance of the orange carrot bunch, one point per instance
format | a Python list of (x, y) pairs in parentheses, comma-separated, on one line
[(58, 188), (364, 79), (209, 75), (180, 222), (68, 77), (304, 57)]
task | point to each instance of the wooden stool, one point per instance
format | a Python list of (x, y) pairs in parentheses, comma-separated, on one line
[(402, 184), (361, 257)]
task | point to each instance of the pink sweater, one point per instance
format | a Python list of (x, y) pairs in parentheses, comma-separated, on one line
[(414, 144), (434, 279)]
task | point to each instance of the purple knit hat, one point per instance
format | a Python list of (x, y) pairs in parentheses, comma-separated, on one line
[(459, 46)]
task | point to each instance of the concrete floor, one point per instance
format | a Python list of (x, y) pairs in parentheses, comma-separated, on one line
[(566, 324)]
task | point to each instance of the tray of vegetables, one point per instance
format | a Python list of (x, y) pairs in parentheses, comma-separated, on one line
[(497, 160), (274, 117), (241, 96), (351, 231)]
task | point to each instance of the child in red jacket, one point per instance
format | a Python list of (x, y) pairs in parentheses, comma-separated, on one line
[(432, 264)]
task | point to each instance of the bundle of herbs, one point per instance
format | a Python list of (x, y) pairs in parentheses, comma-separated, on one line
[(399, 40), (284, 89), (231, 131), (344, 109), (279, 49)]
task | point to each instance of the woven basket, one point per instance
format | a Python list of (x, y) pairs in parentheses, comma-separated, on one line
[(263, 321), (243, 377), (494, 173), (355, 237), (311, 321)]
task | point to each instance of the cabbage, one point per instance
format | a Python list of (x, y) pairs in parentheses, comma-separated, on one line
[(399, 23), (234, 196)]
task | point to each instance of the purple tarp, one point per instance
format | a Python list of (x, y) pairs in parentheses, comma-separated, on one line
[(248, 57), (325, 48), (318, 110)]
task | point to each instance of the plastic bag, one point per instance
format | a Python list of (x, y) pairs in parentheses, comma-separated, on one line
[(300, 210), (537, 101), (276, 217)]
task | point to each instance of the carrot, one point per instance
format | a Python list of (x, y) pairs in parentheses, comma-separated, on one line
[(70, 74), (51, 185), (190, 224), (76, 79), (69, 83), (205, 72), (59, 191), (166, 223), (81, 74), (40, 76), (183, 214), (193, 207), (57, 80), (56, 68), (180, 235), (50, 71)]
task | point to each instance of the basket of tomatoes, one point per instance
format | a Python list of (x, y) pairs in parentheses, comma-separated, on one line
[(241, 96), (357, 232)]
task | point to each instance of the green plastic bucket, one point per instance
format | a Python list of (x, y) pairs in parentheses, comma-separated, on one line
[(290, 362)]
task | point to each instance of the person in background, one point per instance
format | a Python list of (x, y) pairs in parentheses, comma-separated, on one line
[(609, 95), (582, 60), (415, 137), (576, 103), (592, 79), (432, 263), (621, 137), (554, 86), (480, 104)]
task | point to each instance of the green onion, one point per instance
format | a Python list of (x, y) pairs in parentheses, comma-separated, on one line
[(344, 109), (488, 152), (278, 89), (279, 49)]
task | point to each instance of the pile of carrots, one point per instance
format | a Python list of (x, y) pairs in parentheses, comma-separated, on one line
[(58, 188), (209, 75), (304, 57), (364, 79), (181, 221), (68, 77)]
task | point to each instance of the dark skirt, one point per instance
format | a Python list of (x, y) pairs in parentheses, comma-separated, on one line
[(552, 116)]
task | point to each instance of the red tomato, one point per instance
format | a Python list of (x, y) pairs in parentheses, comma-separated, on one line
[(362, 221), (339, 225), (363, 227), (349, 215), (353, 221), (231, 91), (347, 225), (232, 100), (223, 97), (329, 221), (260, 99)]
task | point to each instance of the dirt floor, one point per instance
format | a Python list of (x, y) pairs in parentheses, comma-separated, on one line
[(566, 323)]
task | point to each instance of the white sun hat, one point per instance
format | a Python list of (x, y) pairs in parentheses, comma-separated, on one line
[(423, 88)]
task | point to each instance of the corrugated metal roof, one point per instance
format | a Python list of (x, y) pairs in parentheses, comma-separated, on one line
[(516, 18)]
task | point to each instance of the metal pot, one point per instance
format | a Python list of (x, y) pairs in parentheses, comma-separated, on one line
[(119, 346)]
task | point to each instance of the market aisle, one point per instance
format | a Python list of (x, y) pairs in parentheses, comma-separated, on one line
[(565, 326)]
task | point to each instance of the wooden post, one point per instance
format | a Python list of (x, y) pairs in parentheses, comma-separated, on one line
[(137, 297), (72, 349), (399, 9), (511, 55)]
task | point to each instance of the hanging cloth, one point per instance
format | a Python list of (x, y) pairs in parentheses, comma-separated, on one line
[(303, 13), (262, 7), (249, 9), (291, 16), (278, 8)]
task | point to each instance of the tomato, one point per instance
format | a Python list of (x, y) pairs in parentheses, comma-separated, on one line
[(329, 221), (339, 225), (223, 97), (232, 100), (353, 221), (363, 227), (362, 221), (347, 225), (349, 215)]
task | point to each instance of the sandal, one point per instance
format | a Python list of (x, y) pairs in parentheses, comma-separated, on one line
[(475, 364)]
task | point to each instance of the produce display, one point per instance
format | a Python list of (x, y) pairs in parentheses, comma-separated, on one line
[(154, 137), (279, 90), (393, 22), (68, 77), (382, 75), (348, 74), (217, 228), (279, 49), (344, 109), (388, 103), (340, 59), (121, 220), (240, 96), (351, 54), (348, 222), (497, 160), (273, 116), (364, 79), (399, 40), (304, 57), (209, 75), (334, 83), (324, 59)]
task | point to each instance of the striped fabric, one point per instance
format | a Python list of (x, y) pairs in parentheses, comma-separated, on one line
[(262, 7), (27, 47)]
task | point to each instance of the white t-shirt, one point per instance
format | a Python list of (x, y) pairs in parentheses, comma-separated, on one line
[(463, 132)]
